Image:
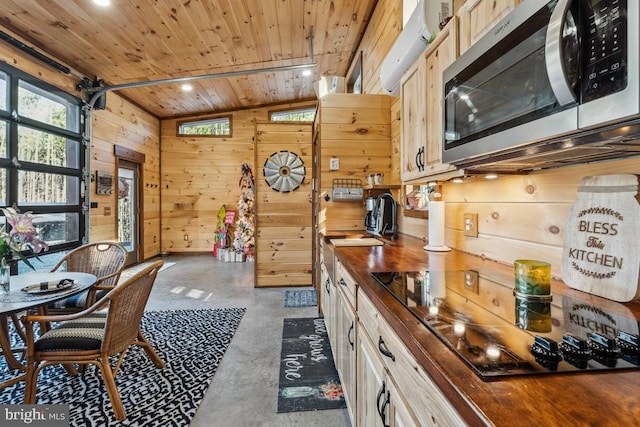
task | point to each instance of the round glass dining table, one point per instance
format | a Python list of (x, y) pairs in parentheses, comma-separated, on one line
[(32, 290)]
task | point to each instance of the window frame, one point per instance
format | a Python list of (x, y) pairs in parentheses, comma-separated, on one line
[(292, 110), (14, 166), (181, 123)]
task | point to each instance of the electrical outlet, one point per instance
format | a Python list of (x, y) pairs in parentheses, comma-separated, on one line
[(334, 164), (186, 237), (471, 224), (471, 280)]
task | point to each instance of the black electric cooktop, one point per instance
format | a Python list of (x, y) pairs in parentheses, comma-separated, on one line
[(478, 316)]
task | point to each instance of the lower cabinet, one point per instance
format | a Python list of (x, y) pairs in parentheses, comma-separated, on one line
[(328, 303), (346, 353), (414, 397), (383, 383), (380, 402)]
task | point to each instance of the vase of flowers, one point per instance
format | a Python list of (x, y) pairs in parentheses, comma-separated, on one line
[(22, 237)]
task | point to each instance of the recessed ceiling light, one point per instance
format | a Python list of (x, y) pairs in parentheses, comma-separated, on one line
[(491, 176), (307, 73), (103, 3), (187, 87)]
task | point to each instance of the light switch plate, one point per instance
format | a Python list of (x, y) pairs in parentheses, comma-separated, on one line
[(471, 224), (334, 164)]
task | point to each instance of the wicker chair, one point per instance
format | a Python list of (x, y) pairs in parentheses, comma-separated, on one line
[(105, 260), (90, 337)]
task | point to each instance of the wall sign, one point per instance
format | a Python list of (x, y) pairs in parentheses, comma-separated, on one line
[(601, 252)]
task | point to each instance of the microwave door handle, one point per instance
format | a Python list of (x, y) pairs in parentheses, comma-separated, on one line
[(553, 54)]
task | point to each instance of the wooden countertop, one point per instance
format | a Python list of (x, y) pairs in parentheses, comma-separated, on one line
[(576, 399)]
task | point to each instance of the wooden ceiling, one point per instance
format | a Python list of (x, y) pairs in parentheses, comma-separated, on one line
[(147, 40)]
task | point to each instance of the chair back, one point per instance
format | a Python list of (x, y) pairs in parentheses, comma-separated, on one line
[(105, 260), (126, 303)]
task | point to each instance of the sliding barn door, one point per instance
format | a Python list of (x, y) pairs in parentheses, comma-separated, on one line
[(284, 216)]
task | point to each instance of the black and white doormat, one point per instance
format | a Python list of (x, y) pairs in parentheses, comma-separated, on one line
[(190, 342)]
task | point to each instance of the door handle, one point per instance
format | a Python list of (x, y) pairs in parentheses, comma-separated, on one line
[(384, 350), (349, 335), (554, 55), (380, 394)]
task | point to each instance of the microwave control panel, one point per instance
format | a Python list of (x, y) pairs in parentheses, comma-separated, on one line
[(605, 50)]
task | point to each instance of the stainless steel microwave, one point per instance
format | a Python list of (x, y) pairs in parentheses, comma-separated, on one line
[(548, 78)]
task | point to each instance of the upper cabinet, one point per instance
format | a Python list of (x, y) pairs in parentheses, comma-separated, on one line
[(413, 121), (421, 108), (478, 16)]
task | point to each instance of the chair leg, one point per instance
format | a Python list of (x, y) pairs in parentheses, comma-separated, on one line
[(148, 348), (31, 382), (71, 370), (112, 390)]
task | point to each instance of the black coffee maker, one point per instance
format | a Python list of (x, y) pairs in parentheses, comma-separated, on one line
[(380, 219)]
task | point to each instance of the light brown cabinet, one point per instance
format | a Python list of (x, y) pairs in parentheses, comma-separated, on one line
[(380, 402), (440, 54), (414, 398), (421, 108), (345, 339), (413, 122), (479, 16)]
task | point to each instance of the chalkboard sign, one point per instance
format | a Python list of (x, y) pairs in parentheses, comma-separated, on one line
[(601, 252)]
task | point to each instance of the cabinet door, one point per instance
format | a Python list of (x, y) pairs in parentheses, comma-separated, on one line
[(442, 52), (479, 16), (370, 376), (412, 119), (327, 303), (399, 413), (346, 359)]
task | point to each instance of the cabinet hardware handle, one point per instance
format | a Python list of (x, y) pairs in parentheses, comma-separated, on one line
[(382, 409), (349, 335), (327, 284), (342, 282), (380, 394), (421, 163), (383, 413), (384, 350), (418, 158)]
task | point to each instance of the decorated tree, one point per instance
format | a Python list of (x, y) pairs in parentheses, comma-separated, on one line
[(244, 240)]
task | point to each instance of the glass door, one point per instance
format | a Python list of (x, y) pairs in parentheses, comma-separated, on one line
[(128, 209)]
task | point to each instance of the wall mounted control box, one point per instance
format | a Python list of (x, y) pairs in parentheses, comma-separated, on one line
[(104, 183)]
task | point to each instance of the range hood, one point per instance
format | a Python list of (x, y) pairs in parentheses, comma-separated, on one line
[(606, 143)]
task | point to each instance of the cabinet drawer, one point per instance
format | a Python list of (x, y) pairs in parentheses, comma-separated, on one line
[(346, 283), (426, 400)]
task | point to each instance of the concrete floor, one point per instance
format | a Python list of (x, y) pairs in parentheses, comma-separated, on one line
[(244, 389)]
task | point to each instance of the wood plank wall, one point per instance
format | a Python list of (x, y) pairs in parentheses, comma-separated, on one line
[(284, 220), (200, 174), (356, 130), (124, 124), (519, 216), (120, 123)]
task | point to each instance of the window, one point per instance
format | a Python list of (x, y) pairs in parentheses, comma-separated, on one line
[(215, 126), (41, 159), (298, 115)]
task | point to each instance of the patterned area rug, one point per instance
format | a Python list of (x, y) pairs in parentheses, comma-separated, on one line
[(308, 377), (190, 342), (303, 298)]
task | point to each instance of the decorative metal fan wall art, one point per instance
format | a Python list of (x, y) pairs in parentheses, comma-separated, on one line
[(284, 171)]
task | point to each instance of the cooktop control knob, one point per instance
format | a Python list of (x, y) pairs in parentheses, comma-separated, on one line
[(605, 349), (603, 345), (545, 348), (629, 345), (575, 350)]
